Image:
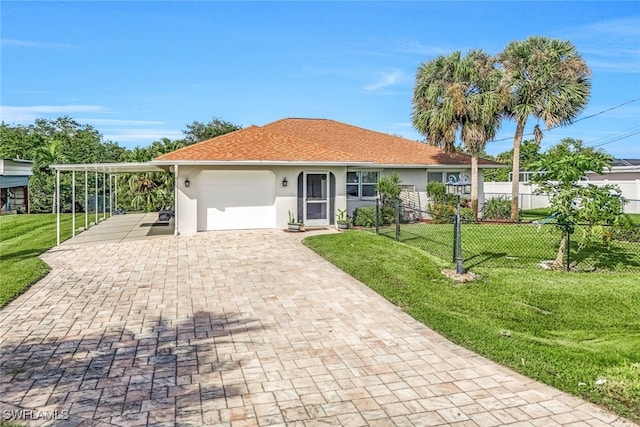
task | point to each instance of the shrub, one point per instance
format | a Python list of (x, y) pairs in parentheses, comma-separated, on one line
[(365, 216), (442, 213), (467, 214), (497, 208), (389, 187), (437, 192)]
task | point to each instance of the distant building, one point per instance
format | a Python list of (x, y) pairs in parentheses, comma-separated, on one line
[(621, 170), (14, 185)]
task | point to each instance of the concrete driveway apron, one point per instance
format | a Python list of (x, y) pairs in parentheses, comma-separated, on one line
[(243, 328)]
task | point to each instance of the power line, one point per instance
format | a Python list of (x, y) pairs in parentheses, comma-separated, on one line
[(617, 139), (581, 119)]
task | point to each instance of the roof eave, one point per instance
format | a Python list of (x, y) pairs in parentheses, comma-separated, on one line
[(160, 163), (133, 167)]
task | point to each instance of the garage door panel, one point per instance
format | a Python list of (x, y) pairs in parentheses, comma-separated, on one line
[(231, 200)]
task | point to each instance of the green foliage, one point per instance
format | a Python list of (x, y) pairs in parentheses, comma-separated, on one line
[(529, 155), (437, 192), (467, 214), (563, 165), (48, 142), (497, 208), (389, 187), (365, 216), (544, 78), (566, 330), (459, 95), (342, 218), (442, 213), (64, 140), (198, 131)]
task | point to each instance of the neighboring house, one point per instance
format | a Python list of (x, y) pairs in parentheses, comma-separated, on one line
[(621, 170), (14, 185), (253, 177)]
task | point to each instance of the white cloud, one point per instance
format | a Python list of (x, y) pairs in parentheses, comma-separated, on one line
[(387, 79), (118, 122), (22, 115), (610, 45), (129, 136), (7, 43)]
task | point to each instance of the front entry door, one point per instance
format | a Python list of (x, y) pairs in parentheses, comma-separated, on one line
[(316, 196)]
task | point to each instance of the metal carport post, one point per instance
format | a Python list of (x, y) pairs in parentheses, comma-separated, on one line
[(111, 168)]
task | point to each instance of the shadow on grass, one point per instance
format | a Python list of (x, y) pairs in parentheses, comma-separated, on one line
[(479, 260), (600, 257), (122, 375), (22, 255)]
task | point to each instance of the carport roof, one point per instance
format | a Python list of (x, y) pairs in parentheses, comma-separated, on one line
[(109, 167)]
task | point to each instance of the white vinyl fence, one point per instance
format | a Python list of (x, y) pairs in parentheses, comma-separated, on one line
[(529, 200)]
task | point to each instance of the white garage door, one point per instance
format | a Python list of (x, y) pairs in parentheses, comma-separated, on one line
[(235, 200)]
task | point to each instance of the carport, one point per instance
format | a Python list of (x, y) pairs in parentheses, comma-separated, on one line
[(91, 172)]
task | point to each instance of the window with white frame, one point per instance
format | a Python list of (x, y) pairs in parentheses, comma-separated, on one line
[(362, 184), (442, 176)]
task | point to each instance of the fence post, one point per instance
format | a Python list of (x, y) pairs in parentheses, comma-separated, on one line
[(568, 249), (377, 215), (397, 220), (455, 238)]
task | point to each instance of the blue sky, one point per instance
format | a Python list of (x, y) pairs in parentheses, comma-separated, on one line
[(140, 71)]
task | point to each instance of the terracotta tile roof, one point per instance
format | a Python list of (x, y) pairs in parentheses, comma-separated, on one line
[(316, 140)]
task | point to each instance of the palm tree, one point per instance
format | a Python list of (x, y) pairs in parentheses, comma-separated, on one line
[(459, 94), (546, 79), (45, 156)]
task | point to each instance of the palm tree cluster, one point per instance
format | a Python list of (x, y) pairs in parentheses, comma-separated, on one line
[(468, 96)]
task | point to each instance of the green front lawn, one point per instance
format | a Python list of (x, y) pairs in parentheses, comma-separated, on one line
[(565, 329), (518, 246), (22, 239)]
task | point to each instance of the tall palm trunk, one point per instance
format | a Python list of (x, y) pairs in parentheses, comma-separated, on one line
[(474, 184), (515, 172)]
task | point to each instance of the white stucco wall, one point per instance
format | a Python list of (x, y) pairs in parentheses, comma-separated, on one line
[(285, 197), (418, 178)]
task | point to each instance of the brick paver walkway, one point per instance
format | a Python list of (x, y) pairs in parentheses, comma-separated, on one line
[(243, 328)]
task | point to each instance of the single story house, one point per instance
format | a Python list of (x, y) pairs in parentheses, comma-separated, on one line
[(254, 177), (14, 185), (621, 170)]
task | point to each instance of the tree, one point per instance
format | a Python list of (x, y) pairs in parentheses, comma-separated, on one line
[(529, 154), (198, 131), (547, 79), (562, 166), (389, 187), (455, 94)]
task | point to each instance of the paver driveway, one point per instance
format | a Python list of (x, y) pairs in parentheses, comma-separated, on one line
[(243, 328)]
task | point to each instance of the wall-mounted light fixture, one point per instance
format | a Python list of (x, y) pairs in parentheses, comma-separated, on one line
[(285, 182), (187, 182)]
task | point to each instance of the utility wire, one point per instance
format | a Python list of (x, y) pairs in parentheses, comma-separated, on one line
[(617, 139), (581, 119)]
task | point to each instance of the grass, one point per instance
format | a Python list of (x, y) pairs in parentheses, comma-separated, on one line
[(518, 246), (22, 239), (567, 330), (542, 213)]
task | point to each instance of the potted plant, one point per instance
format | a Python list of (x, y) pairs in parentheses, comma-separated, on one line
[(294, 225), (343, 219)]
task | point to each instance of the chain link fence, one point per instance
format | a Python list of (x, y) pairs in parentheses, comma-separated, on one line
[(536, 244)]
